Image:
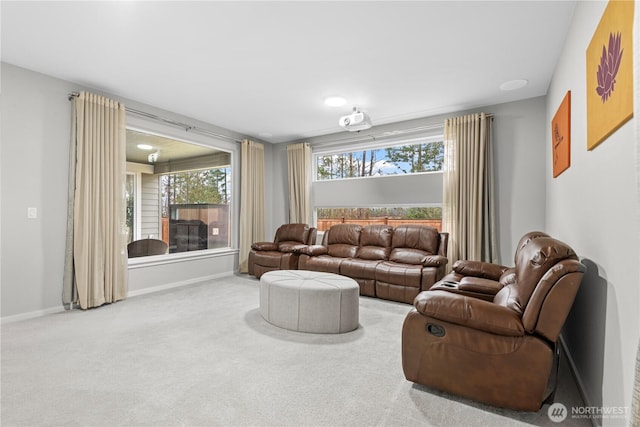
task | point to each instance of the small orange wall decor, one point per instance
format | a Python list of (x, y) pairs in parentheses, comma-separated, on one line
[(610, 73), (561, 136)]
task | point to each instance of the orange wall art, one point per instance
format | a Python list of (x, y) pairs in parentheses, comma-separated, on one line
[(561, 137)]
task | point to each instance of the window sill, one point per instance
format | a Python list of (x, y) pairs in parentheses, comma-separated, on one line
[(149, 261)]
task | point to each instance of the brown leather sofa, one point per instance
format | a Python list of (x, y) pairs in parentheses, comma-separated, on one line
[(284, 252), (390, 263), (501, 350)]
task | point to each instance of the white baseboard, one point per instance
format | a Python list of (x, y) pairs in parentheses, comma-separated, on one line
[(177, 284), (138, 292), (578, 379), (30, 315)]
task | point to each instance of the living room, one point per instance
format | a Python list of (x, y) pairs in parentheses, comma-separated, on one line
[(603, 330)]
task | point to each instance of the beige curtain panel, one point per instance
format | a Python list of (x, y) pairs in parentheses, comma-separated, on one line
[(251, 199), (300, 169), (96, 256), (468, 206)]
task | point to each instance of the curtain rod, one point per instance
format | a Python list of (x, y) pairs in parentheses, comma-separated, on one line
[(384, 134), (380, 135), (186, 127)]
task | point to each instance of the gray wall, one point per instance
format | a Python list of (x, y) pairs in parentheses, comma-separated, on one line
[(33, 173), (519, 162), (593, 205)]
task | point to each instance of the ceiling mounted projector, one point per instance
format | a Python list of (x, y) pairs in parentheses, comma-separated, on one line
[(358, 120)]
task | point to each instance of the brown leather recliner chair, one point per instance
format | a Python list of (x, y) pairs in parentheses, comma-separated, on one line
[(283, 253), (498, 352)]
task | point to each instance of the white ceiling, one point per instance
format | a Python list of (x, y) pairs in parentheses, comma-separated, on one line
[(264, 68)]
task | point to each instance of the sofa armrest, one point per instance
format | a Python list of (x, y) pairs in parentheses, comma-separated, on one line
[(314, 250), (291, 248), (434, 261), (264, 246), (485, 270), (294, 249), (471, 312)]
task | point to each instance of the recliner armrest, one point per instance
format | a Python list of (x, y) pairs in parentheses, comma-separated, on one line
[(471, 312), (314, 250), (485, 270), (479, 285), (264, 246), (434, 261)]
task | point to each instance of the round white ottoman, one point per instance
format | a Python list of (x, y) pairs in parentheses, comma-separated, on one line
[(309, 301)]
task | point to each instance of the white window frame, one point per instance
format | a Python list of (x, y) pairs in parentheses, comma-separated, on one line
[(327, 149), (137, 169), (433, 179)]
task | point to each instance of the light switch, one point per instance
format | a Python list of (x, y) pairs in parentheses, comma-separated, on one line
[(215, 231), (32, 213)]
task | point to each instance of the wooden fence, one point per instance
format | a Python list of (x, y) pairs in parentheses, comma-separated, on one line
[(325, 224)]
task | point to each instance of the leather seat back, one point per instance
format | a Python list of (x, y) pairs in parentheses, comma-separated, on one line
[(375, 242), (292, 234), (541, 263), (343, 240), (411, 243), (524, 240)]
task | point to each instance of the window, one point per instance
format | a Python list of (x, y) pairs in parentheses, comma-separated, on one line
[(131, 210), (431, 216), (398, 182), (179, 192), (424, 156)]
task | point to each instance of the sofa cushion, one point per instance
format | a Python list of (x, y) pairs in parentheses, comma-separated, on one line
[(341, 250), (375, 242), (343, 240), (324, 263), (359, 268), (407, 256), (270, 259), (298, 233), (417, 237), (411, 243), (399, 274)]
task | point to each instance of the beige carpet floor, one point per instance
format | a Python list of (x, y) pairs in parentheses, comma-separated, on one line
[(203, 356)]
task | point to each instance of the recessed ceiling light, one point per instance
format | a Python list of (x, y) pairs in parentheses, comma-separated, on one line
[(335, 101), (145, 147), (514, 84)]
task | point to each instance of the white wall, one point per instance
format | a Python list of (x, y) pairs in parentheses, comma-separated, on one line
[(151, 224), (33, 168), (594, 206), (519, 162)]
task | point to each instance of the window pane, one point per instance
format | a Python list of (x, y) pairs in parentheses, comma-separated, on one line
[(131, 190), (195, 204), (185, 192), (431, 216), (395, 160)]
